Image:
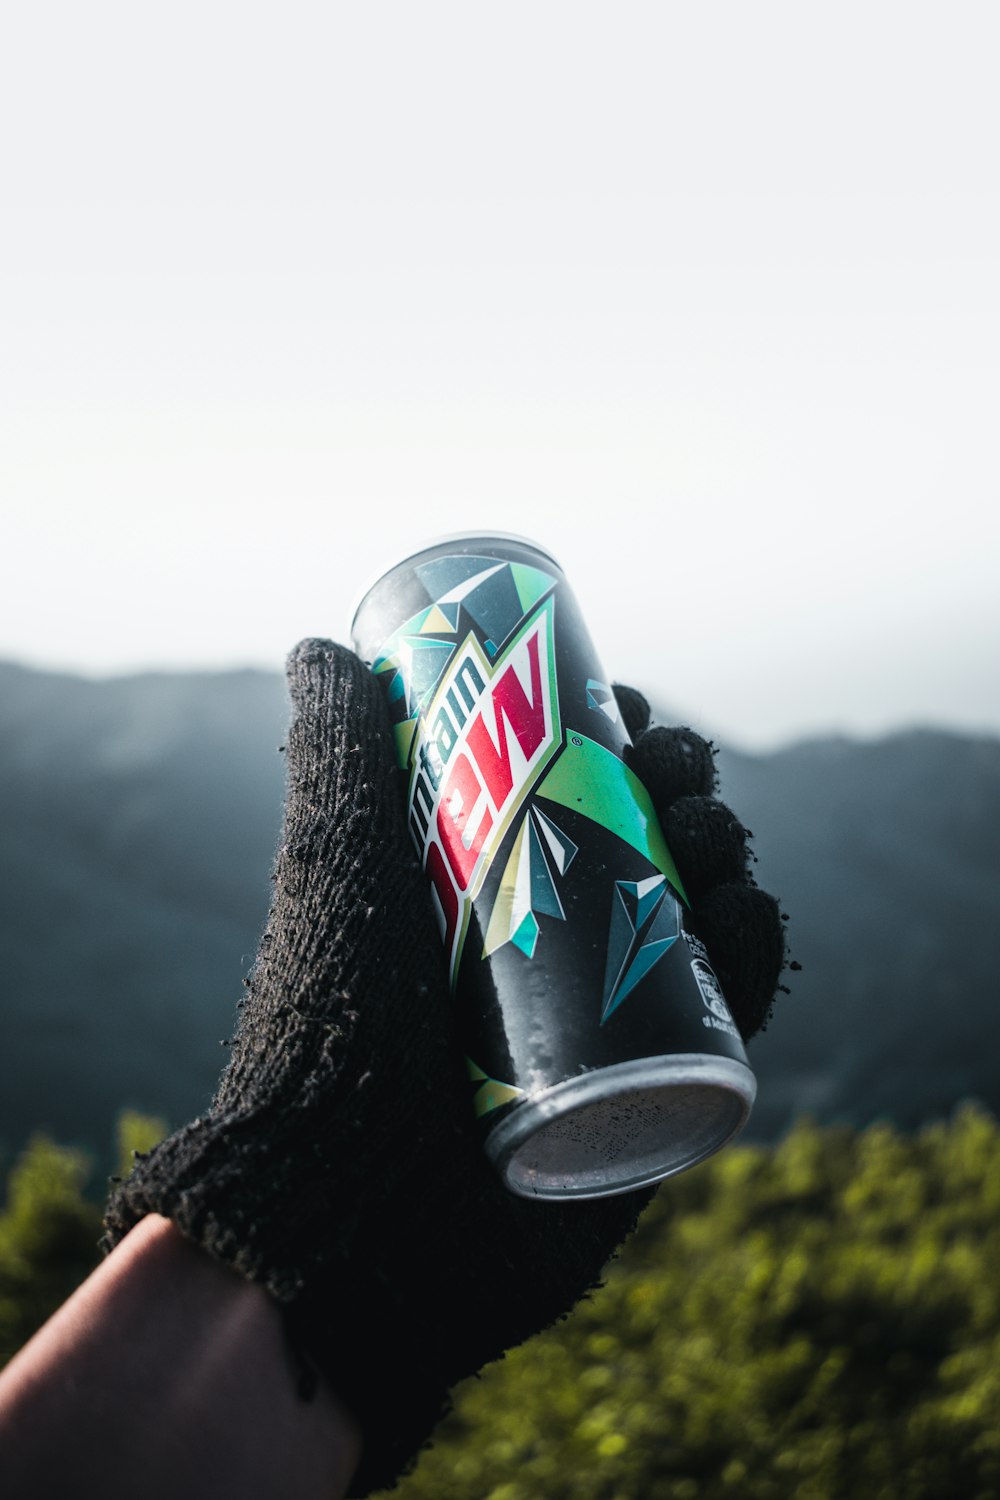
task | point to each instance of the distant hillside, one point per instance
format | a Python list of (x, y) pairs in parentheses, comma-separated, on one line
[(887, 857), (140, 816)]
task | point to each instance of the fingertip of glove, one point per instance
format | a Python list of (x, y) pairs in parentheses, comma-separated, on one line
[(314, 651), (743, 929), (708, 842), (674, 763), (338, 719), (318, 669), (633, 707)]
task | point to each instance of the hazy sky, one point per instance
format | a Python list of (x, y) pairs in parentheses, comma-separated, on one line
[(704, 297)]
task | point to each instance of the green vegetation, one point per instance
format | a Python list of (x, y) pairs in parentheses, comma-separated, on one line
[(48, 1235), (817, 1320), (49, 1230), (136, 1134)]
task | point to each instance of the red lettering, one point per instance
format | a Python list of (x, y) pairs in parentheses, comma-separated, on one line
[(445, 892), (459, 796), (526, 719)]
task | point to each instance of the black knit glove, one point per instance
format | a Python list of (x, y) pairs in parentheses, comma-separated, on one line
[(337, 1165)]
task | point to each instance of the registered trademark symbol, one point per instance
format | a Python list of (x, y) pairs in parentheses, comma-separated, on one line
[(575, 740)]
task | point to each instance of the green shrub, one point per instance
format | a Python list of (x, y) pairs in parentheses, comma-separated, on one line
[(137, 1133), (48, 1239), (49, 1230), (818, 1320)]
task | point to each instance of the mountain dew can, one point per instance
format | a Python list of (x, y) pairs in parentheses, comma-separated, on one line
[(601, 1054)]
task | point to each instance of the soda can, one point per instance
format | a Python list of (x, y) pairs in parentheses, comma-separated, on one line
[(601, 1054)]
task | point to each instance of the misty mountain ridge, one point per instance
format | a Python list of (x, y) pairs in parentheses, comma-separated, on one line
[(141, 816)]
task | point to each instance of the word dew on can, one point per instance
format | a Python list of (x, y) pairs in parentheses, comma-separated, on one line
[(601, 1051)]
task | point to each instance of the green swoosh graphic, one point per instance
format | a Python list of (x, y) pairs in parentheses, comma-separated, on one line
[(591, 780)]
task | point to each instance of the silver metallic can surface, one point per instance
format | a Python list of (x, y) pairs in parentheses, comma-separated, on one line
[(600, 1050)]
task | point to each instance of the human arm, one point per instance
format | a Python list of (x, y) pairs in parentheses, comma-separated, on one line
[(336, 1169), (165, 1374)]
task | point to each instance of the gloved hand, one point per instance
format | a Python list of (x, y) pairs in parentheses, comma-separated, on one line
[(336, 1165)]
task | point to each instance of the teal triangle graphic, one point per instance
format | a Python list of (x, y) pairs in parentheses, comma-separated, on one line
[(562, 848), (494, 606), (602, 698), (649, 893), (526, 936), (645, 924), (423, 659), (640, 967), (450, 612), (544, 896), (446, 573), (531, 584)]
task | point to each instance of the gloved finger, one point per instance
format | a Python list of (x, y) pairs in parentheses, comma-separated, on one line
[(342, 814), (633, 708), (339, 723), (708, 842), (742, 929), (673, 763), (328, 680)]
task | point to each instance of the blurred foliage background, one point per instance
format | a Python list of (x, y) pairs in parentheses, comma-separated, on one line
[(50, 1226), (819, 1318), (813, 1314)]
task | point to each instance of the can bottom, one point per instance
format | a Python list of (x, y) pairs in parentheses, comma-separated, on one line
[(622, 1127)]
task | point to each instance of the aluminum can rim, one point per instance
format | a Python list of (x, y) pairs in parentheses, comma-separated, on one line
[(479, 534), (706, 1069)]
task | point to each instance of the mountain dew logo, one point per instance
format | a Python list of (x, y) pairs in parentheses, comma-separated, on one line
[(479, 748)]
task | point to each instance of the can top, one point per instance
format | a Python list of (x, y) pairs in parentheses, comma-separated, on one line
[(439, 541)]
